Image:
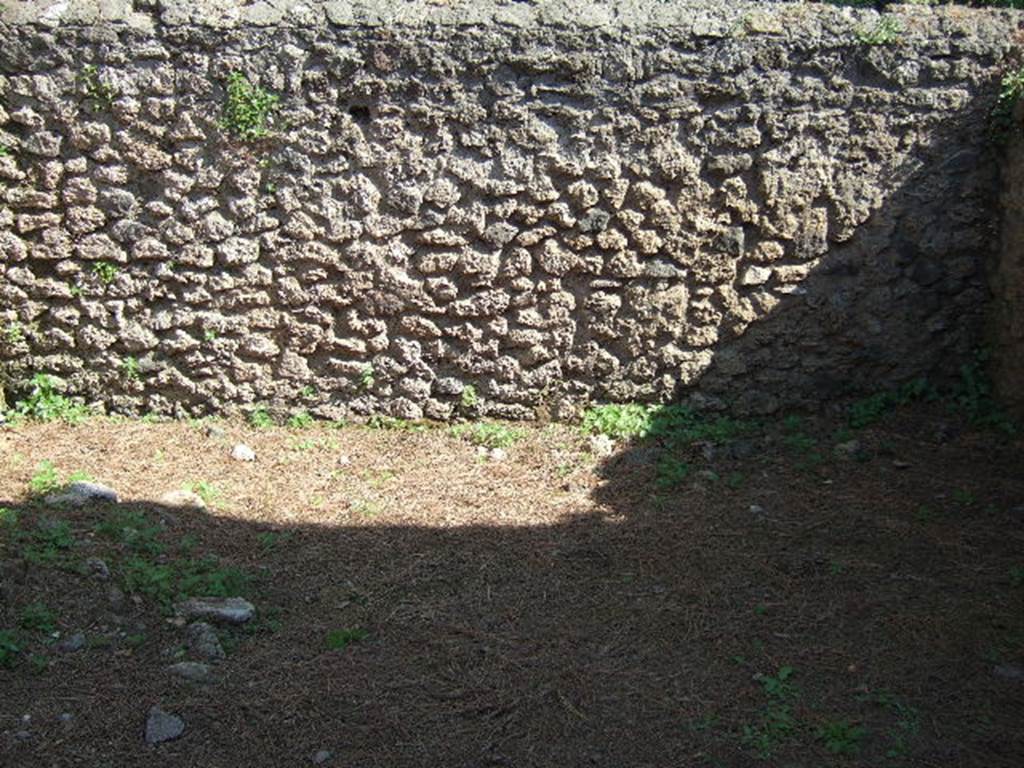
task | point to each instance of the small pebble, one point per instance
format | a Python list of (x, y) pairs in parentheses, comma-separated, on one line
[(321, 757), (243, 452)]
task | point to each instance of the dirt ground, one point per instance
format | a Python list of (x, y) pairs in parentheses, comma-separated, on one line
[(782, 603)]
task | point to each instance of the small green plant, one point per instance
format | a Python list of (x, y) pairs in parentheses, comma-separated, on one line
[(38, 663), (270, 540), (366, 507), (5, 151), (671, 472), (261, 419), (300, 420), (906, 727), (44, 403), (8, 518), (1017, 576), (48, 543), (131, 528), (1011, 89), (841, 737), (130, 368), (339, 639), (105, 271), (619, 422), (45, 480), (973, 396), (488, 434), (36, 617), (308, 392), (776, 722), (12, 332), (9, 648), (366, 379), (207, 491), (248, 110), (209, 336), (870, 410), (100, 95), (469, 398), (167, 582), (886, 32), (778, 686)]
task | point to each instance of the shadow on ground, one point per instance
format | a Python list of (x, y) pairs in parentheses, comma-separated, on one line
[(781, 604)]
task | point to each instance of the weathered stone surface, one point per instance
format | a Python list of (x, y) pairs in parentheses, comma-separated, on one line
[(162, 726), (553, 202), (80, 493), (225, 610)]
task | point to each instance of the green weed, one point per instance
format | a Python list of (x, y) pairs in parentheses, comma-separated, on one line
[(1001, 125), (38, 618), (469, 398), (270, 540), (870, 410), (105, 271), (339, 639), (47, 480), (1017, 576), (168, 582), (260, 418), (208, 492), (671, 472), (133, 529), (777, 722), (676, 425), (778, 686), (366, 378), (300, 420), (100, 95), (44, 403), (248, 110), (488, 434), (841, 737), (130, 369), (48, 543), (9, 648), (973, 396), (886, 32), (8, 518)]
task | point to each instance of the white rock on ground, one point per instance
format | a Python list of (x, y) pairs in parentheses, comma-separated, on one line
[(80, 493), (162, 726), (602, 446), (183, 499), (225, 610), (243, 452)]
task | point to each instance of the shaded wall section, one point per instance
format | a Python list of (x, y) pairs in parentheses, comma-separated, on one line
[(507, 209), (1008, 285)]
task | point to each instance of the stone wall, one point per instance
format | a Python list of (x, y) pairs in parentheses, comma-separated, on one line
[(494, 208), (1008, 279)]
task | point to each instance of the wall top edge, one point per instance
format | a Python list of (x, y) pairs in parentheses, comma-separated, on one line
[(700, 18)]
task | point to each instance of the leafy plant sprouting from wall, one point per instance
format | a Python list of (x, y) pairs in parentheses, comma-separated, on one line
[(248, 110), (99, 95), (886, 32), (1010, 92)]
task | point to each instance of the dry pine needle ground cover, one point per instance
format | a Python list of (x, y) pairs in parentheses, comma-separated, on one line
[(767, 600)]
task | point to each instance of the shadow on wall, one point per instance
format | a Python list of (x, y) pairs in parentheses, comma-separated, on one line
[(634, 626), (737, 222)]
